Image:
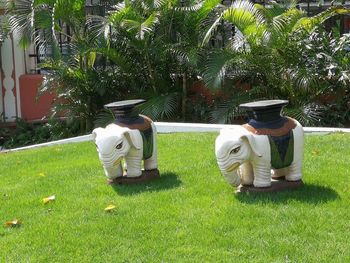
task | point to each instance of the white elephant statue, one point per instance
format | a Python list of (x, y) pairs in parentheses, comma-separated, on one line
[(115, 143), (249, 156)]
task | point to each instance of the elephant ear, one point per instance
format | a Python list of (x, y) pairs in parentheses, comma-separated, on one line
[(252, 141), (134, 138), (95, 133), (250, 137)]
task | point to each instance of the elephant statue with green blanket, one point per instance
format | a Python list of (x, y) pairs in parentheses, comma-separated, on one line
[(253, 156)]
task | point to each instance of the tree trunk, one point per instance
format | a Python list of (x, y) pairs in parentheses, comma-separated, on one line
[(184, 96), (150, 71)]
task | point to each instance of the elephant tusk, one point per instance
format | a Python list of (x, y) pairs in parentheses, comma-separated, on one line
[(117, 162), (233, 167)]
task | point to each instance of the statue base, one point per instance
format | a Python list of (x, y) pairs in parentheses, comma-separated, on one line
[(276, 186), (146, 176)]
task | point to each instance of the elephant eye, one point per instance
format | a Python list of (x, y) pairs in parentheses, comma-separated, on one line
[(235, 150), (119, 146)]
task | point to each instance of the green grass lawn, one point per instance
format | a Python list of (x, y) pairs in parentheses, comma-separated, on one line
[(190, 214)]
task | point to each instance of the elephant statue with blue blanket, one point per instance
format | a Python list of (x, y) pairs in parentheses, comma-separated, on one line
[(251, 155)]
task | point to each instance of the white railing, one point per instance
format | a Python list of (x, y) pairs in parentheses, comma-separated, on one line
[(174, 127)]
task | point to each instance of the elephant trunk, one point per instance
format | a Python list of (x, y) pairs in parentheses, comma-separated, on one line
[(232, 177), (230, 171)]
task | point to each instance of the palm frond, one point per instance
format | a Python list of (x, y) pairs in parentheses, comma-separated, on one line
[(148, 25), (115, 56), (202, 8), (177, 52), (310, 23), (207, 7), (98, 26), (163, 106), (22, 19), (302, 79), (116, 17), (238, 42), (243, 14), (117, 7), (151, 5), (141, 28), (191, 8), (159, 3), (308, 114), (215, 67), (227, 111), (285, 22), (104, 118), (211, 31)]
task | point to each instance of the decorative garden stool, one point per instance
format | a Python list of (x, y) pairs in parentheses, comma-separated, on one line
[(131, 137), (264, 154)]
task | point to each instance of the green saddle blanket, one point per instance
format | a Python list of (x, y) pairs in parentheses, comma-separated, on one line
[(147, 138), (282, 150)]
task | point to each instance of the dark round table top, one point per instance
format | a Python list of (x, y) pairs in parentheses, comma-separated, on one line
[(264, 104), (124, 104)]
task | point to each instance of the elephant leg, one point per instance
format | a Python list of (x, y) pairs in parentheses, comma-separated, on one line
[(247, 174), (133, 163), (152, 163), (262, 175), (294, 173)]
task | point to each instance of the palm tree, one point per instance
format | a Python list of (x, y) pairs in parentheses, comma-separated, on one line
[(162, 39), (261, 52), (188, 24), (154, 47)]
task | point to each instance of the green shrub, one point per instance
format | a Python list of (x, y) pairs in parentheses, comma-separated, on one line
[(33, 133)]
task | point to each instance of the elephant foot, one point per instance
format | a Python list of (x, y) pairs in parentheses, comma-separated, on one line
[(276, 186), (146, 176), (293, 177)]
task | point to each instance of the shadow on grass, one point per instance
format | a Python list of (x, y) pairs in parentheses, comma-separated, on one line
[(308, 193), (166, 181)]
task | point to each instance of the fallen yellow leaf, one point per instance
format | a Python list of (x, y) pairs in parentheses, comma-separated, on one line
[(110, 208), (315, 152), (42, 174), (13, 223), (49, 199)]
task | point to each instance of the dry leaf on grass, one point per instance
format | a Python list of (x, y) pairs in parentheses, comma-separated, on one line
[(49, 199), (110, 208), (315, 152), (13, 223)]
